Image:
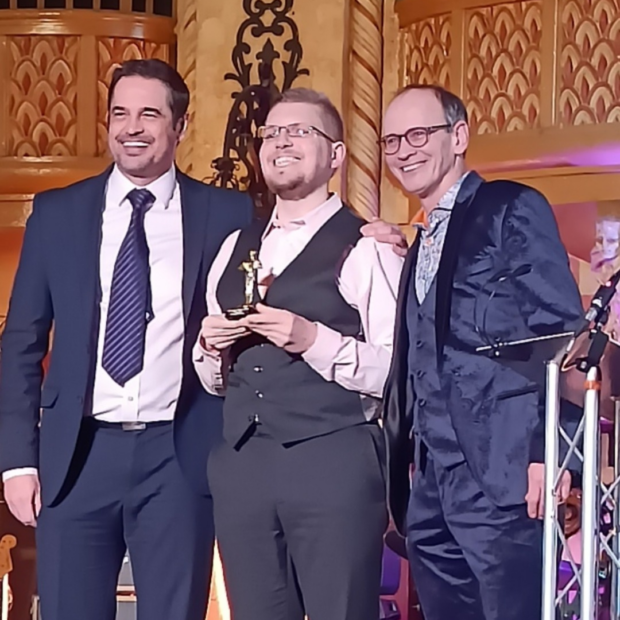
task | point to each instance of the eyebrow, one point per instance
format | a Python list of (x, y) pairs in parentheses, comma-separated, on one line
[(120, 108)]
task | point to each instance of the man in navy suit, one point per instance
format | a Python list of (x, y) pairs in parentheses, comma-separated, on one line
[(116, 267), (489, 267)]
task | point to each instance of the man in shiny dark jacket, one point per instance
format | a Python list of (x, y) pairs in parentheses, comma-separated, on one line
[(489, 267)]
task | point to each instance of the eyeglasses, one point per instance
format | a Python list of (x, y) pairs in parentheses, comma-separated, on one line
[(295, 130), (417, 137)]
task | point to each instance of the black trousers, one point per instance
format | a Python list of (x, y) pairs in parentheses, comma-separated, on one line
[(301, 528), (470, 559), (127, 492)]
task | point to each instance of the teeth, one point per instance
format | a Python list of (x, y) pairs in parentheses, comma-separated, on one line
[(281, 162), (136, 143), (411, 167)]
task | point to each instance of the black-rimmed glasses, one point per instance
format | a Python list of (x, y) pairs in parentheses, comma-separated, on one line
[(295, 130), (417, 137)]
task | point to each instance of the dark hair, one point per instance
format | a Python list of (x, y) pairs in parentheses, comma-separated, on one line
[(453, 107), (154, 69), (334, 127)]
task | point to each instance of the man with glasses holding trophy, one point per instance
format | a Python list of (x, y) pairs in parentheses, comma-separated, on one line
[(298, 482)]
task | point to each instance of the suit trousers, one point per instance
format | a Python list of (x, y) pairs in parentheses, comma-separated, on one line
[(470, 559), (300, 528), (126, 491)]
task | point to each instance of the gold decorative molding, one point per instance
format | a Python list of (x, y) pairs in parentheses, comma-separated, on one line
[(410, 11), (187, 51), (365, 108), (77, 22)]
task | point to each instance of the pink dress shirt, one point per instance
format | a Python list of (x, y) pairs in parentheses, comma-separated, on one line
[(367, 280)]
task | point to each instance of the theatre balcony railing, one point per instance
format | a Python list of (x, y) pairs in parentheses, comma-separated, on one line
[(56, 60)]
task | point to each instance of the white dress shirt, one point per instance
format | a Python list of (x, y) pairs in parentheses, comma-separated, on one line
[(152, 394), (368, 281)]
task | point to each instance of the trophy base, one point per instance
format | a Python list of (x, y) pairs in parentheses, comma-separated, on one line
[(234, 314)]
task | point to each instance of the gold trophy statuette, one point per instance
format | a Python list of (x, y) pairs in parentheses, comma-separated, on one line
[(250, 267)]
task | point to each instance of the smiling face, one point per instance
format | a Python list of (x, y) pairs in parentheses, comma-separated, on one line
[(294, 166), (142, 136), (425, 171)]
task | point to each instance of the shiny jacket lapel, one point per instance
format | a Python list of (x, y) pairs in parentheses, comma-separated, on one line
[(395, 391), (449, 257)]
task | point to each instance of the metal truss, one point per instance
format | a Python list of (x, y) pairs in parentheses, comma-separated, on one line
[(581, 594)]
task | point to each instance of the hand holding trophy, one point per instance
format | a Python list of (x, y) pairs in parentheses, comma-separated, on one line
[(250, 267)]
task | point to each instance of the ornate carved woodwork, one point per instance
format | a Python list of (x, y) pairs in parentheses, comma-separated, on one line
[(55, 66), (589, 62), (365, 108), (540, 78), (266, 59)]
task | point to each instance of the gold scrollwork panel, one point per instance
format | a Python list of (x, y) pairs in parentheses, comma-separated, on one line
[(503, 66), (42, 106), (425, 48), (590, 62)]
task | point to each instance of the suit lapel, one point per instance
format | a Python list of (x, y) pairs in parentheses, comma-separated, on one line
[(449, 258), (405, 282), (401, 339), (397, 398), (87, 222), (195, 215)]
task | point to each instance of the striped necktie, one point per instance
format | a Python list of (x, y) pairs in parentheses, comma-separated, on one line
[(130, 297)]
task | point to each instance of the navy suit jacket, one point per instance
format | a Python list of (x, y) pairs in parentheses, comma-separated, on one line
[(504, 274), (57, 288)]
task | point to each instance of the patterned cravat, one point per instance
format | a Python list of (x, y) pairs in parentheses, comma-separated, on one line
[(431, 246), (432, 240), (129, 307)]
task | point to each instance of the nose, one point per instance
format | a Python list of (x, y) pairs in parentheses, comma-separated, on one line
[(282, 140), (134, 125), (405, 151)]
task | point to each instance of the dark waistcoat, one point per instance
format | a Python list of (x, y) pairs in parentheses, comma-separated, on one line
[(431, 417), (266, 384)]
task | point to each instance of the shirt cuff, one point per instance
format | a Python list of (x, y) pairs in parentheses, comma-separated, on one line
[(21, 471), (322, 355), (209, 368)]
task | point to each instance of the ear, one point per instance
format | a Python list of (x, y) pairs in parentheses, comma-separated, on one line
[(460, 136), (181, 127), (339, 154)]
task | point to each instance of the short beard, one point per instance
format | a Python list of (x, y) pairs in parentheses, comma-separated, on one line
[(295, 189)]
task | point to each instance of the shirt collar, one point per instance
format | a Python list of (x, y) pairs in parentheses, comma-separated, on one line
[(312, 221), (162, 188), (445, 205)]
